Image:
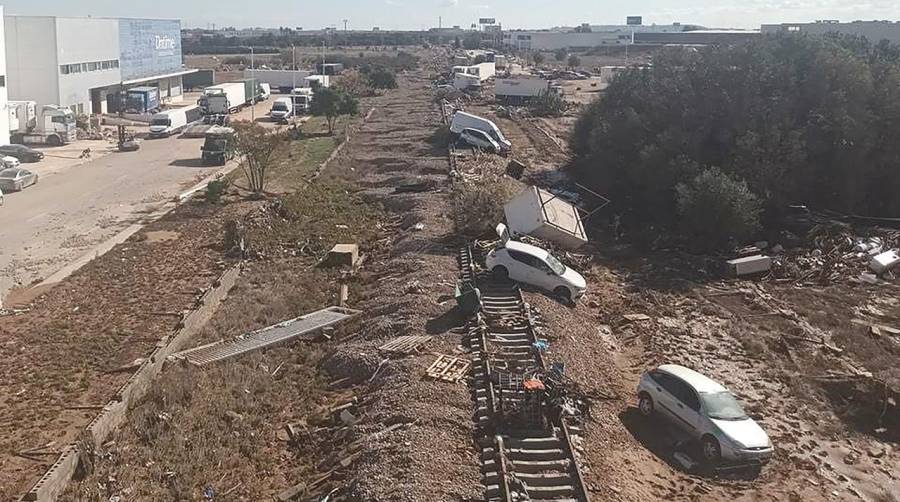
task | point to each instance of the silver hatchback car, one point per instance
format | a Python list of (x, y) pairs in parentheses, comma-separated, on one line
[(706, 411)]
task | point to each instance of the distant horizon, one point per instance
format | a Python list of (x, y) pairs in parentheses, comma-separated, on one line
[(414, 15)]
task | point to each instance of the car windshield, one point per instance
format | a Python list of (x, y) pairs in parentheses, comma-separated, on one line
[(280, 107), (722, 406), (162, 121), (9, 173), (557, 267)]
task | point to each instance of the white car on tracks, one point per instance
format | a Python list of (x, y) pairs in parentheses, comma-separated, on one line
[(532, 265), (706, 411)]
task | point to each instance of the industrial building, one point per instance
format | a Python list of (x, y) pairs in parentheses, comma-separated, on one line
[(4, 95), (83, 62), (874, 31), (582, 37), (696, 37)]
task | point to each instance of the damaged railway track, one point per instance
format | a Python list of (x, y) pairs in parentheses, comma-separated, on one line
[(523, 430)]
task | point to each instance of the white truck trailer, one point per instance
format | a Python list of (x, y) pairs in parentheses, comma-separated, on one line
[(545, 216), (283, 80), (224, 98), (314, 80), (173, 121), (521, 89), (31, 124)]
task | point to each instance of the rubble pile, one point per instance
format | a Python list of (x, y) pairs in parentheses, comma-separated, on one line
[(837, 254)]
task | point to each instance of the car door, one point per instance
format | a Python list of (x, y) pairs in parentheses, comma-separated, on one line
[(546, 277), (686, 405), (664, 396), (521, 268)]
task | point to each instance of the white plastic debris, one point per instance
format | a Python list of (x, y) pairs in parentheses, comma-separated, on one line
[(750, 265), (883, 262)]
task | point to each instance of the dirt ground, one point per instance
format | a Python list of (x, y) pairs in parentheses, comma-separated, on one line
[(792, 353)]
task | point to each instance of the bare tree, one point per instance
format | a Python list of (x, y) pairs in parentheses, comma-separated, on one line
[(258, 150)]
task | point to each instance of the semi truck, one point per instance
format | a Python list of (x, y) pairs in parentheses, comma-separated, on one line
[(224, 98), (317, 80), (30, 124), (302, 98), (142, 100), (283, 80)]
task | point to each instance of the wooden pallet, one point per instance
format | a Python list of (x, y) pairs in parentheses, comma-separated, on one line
[(448, 368), (405, 344)]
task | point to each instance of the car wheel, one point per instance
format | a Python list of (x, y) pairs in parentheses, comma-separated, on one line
[(500, 273), (563, 293), (645, 404), (712, 451)]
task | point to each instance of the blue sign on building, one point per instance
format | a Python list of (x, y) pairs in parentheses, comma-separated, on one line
[(150, 47)]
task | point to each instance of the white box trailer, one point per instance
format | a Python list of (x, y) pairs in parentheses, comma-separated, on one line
[(313, 80), (544, 215), (520, 89), (283, 80), (483, 71), (224, 98)]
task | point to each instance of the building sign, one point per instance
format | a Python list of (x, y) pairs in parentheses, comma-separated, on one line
[(150, 47), (487, 20), (634, 20)]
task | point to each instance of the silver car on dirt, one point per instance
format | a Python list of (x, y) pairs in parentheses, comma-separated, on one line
[(15, 179), (706, 411)]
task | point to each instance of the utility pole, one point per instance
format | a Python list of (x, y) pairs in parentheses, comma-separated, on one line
[(294, 66), (345, 25), (255, 86)]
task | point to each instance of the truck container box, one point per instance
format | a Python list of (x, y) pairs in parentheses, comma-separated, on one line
[(541, 214), (749, 265), (283, 80), (520, 89)]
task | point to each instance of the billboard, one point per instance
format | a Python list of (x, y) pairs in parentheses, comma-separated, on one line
[(634, 20), (487, 20), (149, 47)]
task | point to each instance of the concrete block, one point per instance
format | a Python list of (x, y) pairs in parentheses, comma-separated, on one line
[(343, 254)]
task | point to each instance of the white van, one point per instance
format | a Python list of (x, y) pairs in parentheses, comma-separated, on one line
[(172, 121), (282, 110), (463, 120)]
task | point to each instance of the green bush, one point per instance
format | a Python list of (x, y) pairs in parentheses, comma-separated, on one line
[(716, 210), (800, 119), (382, 78), (548, 104), (478, 207), (215, 189)]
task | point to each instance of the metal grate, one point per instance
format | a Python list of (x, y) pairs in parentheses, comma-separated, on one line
[(303, 326)]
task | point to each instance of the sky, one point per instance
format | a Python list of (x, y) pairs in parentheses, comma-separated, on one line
[(423, 14)]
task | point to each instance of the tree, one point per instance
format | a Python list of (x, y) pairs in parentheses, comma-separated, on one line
[(331, 104), (574, 61), (560, 54), (382, 78), (717, 210), (797, 119), (456, 43), (548, 104), (354, 83), (538, 58), (258, 151)]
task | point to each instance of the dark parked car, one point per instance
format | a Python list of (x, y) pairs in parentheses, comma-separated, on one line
[(21, 152)]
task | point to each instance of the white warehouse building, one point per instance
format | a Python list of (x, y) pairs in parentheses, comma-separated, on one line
[(4, 94), (82, 62)]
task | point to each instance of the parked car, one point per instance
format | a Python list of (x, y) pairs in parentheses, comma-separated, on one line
[(474, 137), (7, 162), (15, 179), (1, 197), (707, 411), (21, 152), (533, 265)]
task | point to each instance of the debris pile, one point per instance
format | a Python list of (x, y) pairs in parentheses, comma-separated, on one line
[(837, 254)]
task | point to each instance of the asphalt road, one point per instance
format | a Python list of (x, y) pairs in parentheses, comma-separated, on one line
[(72, 210)]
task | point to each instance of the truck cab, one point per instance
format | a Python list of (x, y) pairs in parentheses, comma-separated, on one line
[(302, 98), (218, 147), (48, 124)]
